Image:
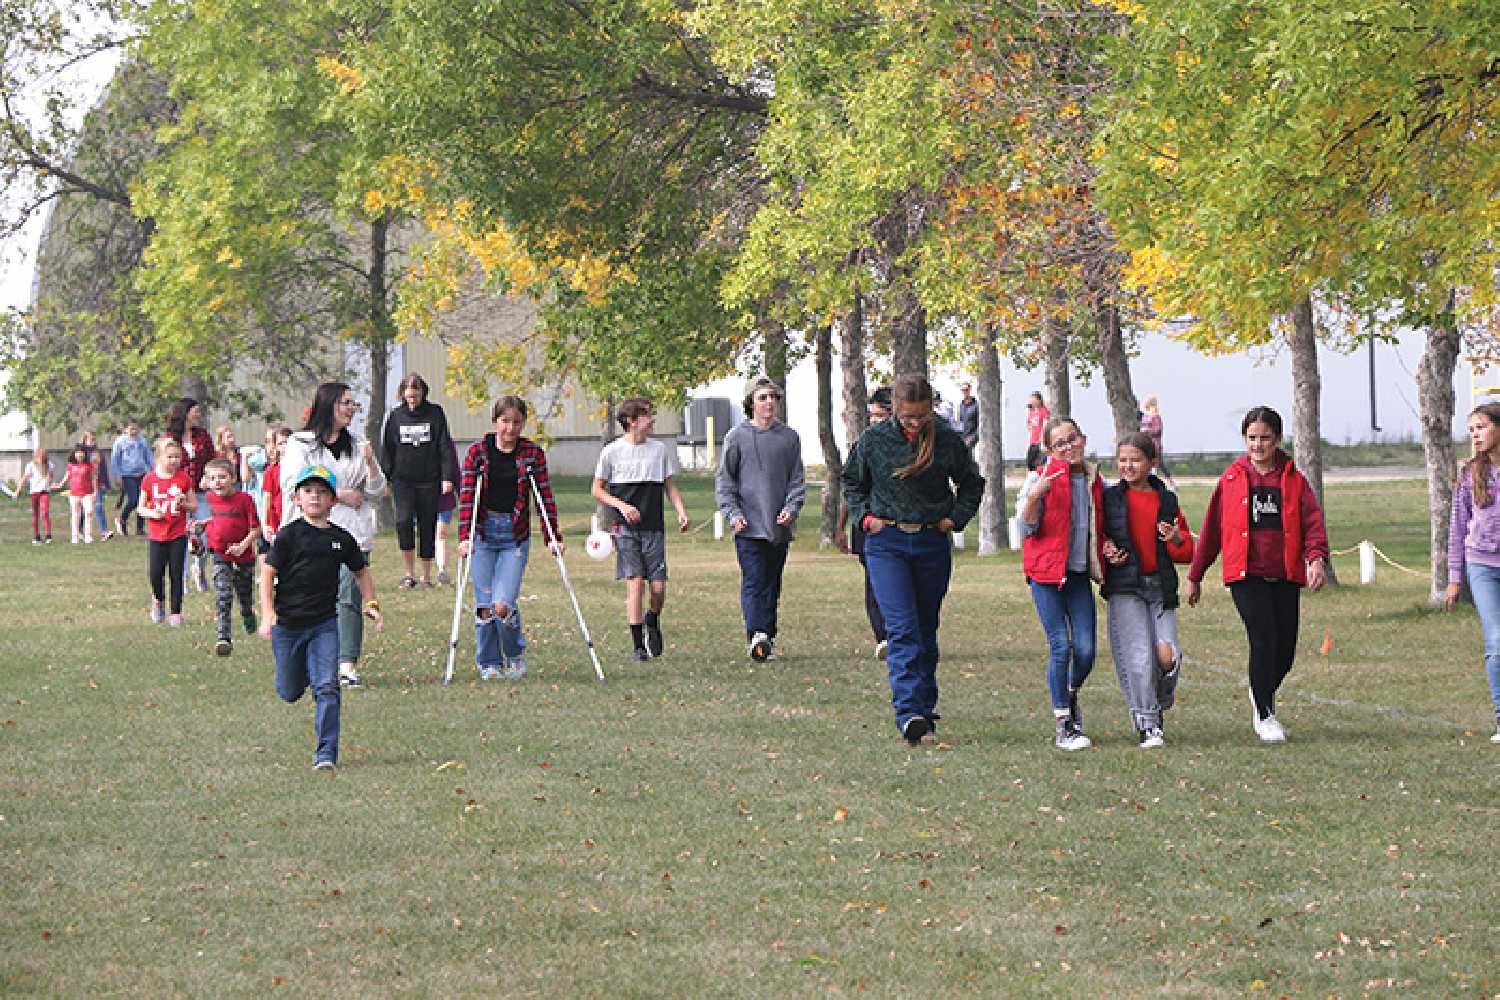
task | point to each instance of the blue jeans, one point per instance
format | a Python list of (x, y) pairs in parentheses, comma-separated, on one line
[(497, 564), (307, 657), (1067, 615), (130, 498), (202, 513), (910, 575), (1484, 584), (761, 563)]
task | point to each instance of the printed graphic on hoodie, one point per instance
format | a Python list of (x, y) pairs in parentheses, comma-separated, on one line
[(413, 435), (1265, 508)]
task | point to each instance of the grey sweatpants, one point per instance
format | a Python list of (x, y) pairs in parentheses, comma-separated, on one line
[(1137, 622)]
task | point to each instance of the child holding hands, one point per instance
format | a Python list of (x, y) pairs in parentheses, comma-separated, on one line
[(299, 593)]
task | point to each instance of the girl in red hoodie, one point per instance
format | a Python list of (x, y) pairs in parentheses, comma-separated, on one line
[(1264, 517)]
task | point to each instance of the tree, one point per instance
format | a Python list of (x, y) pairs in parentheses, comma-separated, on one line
[(1265, 153), (993, 510), (613, 161), (267, 251)]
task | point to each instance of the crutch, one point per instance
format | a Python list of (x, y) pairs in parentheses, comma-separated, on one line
[(464, 564), (562, 567)]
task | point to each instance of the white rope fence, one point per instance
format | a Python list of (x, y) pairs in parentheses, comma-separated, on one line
[(1368, 550)]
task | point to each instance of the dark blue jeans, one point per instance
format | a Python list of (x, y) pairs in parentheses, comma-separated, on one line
[(761, 563), (130, 498), (309, 658), (910, 575), (1068, 618)]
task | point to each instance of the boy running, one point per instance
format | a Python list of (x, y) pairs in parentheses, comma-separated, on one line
[(232, 530), (633, 472), (298, 600)]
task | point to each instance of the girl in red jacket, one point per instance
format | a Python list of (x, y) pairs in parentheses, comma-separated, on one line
[(1264, 517), (1059, 505)]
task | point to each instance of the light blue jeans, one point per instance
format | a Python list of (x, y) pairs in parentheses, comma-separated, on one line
[(1484, 584), (1068, 618), (497, 563)]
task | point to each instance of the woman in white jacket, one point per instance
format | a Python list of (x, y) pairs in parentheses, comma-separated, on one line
[(327, 440)]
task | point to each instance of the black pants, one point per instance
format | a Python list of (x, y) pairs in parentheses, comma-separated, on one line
[(167, 558), (872, 607), (1269, 610), (416, 505)]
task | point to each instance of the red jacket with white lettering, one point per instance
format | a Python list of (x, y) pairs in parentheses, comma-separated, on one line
[(1226, 523), (1044, 554)]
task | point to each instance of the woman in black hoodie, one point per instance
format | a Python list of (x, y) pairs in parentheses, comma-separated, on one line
[(417, 457)]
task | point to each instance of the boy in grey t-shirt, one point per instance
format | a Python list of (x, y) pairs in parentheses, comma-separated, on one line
[(633, 473)]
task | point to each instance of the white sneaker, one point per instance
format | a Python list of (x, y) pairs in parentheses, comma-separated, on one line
[(489, 673), (775, 650), (760, 647), (880, 649), (1069, 737), (1153, 738), (1270, 730), (324, 765), (517, 669), (349, 676), (1496, 737), (158, 613)]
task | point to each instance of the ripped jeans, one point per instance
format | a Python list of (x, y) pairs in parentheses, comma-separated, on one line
[(497, 564)]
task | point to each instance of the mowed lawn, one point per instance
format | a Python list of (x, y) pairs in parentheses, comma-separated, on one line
[(701, 825)]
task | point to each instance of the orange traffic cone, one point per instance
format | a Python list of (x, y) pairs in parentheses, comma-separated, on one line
[(1327, 643)]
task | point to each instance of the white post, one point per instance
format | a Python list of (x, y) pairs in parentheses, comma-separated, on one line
[(718, 525), (593, 522), (1366, 562), (709, 440), (1014, 526)]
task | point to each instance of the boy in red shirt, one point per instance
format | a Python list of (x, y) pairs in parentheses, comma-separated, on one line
[(232, 531)]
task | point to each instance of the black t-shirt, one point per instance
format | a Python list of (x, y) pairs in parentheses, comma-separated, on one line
[(1265, 508), (307, 561), (500, 482)]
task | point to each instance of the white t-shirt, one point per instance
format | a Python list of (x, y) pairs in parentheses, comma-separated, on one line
[(635, 473), (38, 480)]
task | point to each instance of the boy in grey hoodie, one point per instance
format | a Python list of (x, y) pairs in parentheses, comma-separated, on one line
[(760, 490)]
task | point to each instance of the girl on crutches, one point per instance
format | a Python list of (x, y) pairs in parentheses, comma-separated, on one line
[(494, 526)]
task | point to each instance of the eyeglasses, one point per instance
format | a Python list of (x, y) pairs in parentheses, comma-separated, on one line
[(1063, 443), (349, 402)]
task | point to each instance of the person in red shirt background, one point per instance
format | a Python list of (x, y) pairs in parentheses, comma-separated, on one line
[(233, 528), (82, 483), (1037, 416), (166, 497), (1264, 517)]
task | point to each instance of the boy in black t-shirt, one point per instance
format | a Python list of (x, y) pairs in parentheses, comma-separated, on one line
[(299, 604)]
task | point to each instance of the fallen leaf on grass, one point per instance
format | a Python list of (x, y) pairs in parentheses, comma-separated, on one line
[(840, 814)]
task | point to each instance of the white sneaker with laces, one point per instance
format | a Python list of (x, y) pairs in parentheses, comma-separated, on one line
[(880, 649), (1069, 737), (1270, 730), (1153, 738)]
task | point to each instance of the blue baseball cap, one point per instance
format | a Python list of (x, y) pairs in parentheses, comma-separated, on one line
[(319, 472)]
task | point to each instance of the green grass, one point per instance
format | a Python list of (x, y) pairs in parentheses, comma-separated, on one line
[(701, 825)]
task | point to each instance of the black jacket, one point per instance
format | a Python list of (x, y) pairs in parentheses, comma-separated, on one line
[(1126, 577), (416, 446)]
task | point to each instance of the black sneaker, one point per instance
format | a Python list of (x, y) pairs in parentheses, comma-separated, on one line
[(1152, 738), (223, 647), (760, 647), (1069, 737), (639, 655), (653, 638), (916, 727), (1074, 712)]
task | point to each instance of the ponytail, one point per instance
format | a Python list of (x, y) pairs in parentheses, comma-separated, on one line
[(916, 389)]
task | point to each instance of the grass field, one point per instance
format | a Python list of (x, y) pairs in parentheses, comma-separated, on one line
[(703, 826)]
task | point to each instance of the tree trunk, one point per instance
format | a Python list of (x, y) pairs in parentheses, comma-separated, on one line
[(994, 508), (1059, 387), (382, 333), (774, 339), (909, 335), (1307, 403), (852, 366), (833, 462), (1436, 402), (1115, 363)]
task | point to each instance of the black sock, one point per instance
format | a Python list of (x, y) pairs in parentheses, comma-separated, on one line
[(653, 618), (638, 636)]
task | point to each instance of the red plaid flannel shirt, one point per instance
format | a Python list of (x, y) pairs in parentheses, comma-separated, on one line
[(475, 464)]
